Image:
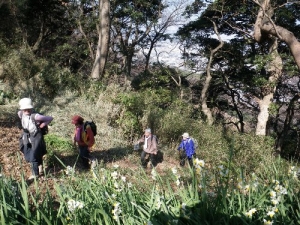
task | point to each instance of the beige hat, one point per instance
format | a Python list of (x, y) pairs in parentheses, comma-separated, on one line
[(186, 135), (25, 103)]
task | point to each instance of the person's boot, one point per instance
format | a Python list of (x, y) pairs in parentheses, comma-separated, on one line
[(33, 177)]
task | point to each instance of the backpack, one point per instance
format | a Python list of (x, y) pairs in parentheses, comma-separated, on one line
[(195, 142), (43, 130), (92, 125)]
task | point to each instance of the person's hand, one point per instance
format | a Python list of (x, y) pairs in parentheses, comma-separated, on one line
[(154, 153), (42, 125)]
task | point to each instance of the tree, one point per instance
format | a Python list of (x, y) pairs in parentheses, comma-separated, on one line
[(260, 64), (132, 22), (208, 78), (265, 30), (103, 30), (171, 16)]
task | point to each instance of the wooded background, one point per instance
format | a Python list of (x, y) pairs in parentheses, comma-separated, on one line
[(248, 83)]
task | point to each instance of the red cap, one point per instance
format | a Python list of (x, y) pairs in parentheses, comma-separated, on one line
[(77, 119)]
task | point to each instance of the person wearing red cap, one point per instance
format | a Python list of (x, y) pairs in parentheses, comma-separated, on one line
[(84, 138)]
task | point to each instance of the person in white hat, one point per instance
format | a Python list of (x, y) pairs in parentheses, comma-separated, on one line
[(149, 147), (187, 149), (32, 142)]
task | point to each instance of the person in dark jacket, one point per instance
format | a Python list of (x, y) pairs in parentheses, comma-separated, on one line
[(32, 142), (149, 147), (187, 150)]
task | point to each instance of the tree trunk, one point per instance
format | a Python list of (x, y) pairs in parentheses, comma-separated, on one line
[(274, 68), (287, 123), (103, 40), (263, 115), (203, 100)]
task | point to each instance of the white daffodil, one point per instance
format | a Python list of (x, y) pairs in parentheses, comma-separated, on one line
[(116, 166), (268, 222), (273, 194), (114, 175), (276, 182), (174, 170), (183, 206), (116, 185), (177, 182), (153, 174), (271, 213), (123, 179), (274, 201), (117, 210), (158, 203), (199, 162), (275, 209), (250, 212), (69, 170), (73, 205)]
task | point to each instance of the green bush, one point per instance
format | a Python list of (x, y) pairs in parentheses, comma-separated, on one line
[(56, 145)]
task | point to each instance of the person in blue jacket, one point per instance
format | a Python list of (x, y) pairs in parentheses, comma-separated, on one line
[(187, 150)]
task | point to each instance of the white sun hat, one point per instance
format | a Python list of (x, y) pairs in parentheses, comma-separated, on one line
[(148, 130), (186, 135), (25, 103)]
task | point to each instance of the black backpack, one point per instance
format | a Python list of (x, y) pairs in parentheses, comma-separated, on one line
[(92, 125)]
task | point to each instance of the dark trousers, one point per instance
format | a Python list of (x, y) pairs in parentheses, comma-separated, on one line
[(184, 157), (145, 162), (84, 155), (35, 167)]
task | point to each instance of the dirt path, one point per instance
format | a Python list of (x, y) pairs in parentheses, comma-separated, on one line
[(11, 160)]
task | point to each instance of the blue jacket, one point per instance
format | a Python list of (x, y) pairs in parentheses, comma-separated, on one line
[(188, 146)]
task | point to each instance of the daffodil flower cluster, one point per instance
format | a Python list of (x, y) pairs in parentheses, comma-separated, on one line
[(116, 211), (279, 191), (69, 170), (117, 177), (276, 196), (73, 205), (294, 172), (199, 165)]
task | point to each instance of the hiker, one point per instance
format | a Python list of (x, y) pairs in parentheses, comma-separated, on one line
[(84, 138), (149, 147), (187, 149), (32, 143)]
